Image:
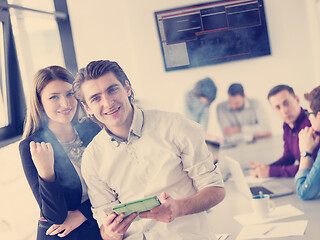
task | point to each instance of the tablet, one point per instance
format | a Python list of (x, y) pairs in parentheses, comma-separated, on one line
[(137, 206)]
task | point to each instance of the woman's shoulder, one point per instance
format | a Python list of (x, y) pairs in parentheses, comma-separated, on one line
[(88, 126), (34, 137), (87, 129)]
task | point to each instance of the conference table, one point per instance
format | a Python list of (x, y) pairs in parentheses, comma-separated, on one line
[(265, 150)]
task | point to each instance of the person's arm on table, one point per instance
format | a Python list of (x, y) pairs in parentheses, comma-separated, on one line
[(283, 167), (230, 130), (285, 160), (262, 135), (283, 171), (307, 181), (261, 170), (171, 208)]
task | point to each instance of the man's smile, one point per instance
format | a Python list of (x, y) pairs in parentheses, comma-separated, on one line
[(112, 111)]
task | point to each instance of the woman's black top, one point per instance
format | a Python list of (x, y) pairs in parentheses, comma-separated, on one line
[(56, 198)]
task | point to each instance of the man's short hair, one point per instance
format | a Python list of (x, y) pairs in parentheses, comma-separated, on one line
[(314, 98), (206, 88), (96, 69), (236, 89), (275, 90)]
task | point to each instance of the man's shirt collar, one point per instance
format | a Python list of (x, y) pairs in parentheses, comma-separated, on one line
[(135, 129), (300, 119)]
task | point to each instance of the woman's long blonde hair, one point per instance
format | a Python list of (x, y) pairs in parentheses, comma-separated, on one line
[(36, 116)]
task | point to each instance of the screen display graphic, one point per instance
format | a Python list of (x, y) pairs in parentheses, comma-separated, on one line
[(212, 33)]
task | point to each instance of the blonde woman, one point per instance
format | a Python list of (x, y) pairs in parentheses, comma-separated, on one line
[(51, 153)]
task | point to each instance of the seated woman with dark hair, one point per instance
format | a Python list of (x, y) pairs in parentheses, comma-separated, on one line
[(308, 176)]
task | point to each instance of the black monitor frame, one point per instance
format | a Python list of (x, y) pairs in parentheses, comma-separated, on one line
[(212, 33)]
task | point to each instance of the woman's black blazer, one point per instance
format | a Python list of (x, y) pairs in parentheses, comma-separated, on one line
[(56, 198)]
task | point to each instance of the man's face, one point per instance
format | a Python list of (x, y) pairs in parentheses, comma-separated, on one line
[(236, 102), (108, 101), (286, 106)]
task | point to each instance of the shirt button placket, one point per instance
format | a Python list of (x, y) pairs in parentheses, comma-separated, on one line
[(132, 154)]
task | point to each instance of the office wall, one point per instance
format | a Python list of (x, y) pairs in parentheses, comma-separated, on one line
[(125, 31)]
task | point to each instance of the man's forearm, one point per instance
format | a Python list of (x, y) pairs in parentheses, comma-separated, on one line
[(262, 134), (283, 171), (203, 200), (284, 160)]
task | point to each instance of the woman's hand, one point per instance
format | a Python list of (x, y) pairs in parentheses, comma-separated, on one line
[(74, 219), (42, 156)]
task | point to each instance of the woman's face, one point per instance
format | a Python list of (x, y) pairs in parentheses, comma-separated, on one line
[(58, 101)]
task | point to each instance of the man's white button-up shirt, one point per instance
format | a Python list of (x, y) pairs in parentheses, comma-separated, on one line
[(164, 152)]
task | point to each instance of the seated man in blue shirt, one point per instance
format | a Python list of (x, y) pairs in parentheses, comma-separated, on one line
[(142, 153), (241, 118)]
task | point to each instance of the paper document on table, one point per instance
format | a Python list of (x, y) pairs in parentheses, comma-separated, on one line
[(273, 230), (280, 212)]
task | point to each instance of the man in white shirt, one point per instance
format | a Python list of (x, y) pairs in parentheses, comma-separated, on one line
[(142, 153), (241, 118)]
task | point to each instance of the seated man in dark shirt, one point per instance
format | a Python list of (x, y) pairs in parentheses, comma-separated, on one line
[(286, 104)]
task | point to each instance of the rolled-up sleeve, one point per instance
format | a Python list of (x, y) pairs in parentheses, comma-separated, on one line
[(196, 158), (308, 181), (205, 174), (303, 185)]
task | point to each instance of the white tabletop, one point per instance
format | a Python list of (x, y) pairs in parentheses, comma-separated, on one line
[(264, 150)]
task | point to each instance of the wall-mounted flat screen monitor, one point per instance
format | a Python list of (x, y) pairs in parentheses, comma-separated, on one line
[(212, 32)]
